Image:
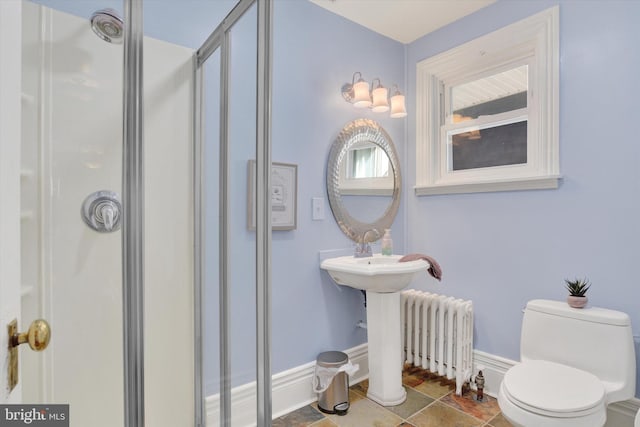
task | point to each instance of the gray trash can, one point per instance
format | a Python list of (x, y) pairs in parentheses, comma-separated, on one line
[(335, 399)]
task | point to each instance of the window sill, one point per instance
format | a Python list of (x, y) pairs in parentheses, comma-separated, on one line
[(533, 183)]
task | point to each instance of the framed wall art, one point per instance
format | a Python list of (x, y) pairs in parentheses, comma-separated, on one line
[(284, 196)]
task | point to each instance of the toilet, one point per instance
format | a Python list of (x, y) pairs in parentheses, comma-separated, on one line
[(574, 362)]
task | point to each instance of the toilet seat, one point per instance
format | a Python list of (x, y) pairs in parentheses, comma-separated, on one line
[(553, 390)]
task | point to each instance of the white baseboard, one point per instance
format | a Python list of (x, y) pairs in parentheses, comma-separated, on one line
[(292, 390), (493, 369)]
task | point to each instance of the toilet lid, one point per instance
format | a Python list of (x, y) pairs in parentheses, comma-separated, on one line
[(553, 389)]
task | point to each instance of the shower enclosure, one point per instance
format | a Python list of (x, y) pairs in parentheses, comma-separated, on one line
[(232, 87), (123, 195)]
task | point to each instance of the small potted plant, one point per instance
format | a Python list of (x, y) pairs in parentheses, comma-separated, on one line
[(577, 289)]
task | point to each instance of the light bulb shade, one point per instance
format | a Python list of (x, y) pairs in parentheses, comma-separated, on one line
[(397, 106), (361, 98), (380, 103)]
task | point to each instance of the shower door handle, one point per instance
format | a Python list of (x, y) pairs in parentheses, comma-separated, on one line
[(37, 336)]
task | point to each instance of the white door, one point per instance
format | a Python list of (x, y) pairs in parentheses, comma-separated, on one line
[(10, 70)]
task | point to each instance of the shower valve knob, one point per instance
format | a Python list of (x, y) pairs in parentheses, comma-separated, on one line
[(101, 211)]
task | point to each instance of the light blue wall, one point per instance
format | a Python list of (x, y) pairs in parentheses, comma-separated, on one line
[(310, 313), (503, 249), (315, 53)]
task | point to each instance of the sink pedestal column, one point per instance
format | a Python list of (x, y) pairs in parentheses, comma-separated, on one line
[(385, 349)]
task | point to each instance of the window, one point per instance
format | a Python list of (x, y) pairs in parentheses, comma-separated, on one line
[(369, 161), (365, 170), (487, 112), (486, 121)]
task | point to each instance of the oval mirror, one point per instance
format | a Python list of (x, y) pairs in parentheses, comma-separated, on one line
[(363, 179)]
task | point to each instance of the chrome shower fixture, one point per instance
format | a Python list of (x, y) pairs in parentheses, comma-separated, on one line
[(102, 211), (108, 25)]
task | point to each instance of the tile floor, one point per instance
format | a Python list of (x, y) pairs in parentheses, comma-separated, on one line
[(431, 402)]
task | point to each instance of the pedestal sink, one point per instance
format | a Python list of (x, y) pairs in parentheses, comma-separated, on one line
[(382, 277)]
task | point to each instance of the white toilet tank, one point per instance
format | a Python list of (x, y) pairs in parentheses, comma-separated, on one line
[(592, 339)]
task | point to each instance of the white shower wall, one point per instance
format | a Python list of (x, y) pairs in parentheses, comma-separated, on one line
[(169, 331), (72, 147)]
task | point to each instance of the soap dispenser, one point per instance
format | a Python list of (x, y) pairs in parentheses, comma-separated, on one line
[(387, 243)]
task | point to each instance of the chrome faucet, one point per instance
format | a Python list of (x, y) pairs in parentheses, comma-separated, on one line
[(363, 248)]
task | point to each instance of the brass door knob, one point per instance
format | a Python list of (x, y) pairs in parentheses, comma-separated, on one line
[(37, 336)]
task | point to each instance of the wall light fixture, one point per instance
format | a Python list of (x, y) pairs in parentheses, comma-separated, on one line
[(357, 93)]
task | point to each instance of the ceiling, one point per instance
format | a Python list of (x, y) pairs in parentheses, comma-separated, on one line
[(403, 20), (490, 88)]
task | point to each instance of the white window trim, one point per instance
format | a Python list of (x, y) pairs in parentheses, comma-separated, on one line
[(533, 40)]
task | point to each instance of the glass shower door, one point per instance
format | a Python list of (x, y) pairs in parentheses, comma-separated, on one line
[(229, 255), (233, 254)]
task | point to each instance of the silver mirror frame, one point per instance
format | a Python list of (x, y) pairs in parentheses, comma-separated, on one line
[(357, 131)]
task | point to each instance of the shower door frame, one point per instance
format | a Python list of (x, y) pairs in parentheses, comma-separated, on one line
[(133, 215), (219, 39)]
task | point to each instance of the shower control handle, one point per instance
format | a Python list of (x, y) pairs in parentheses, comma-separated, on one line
[(101, 211)]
